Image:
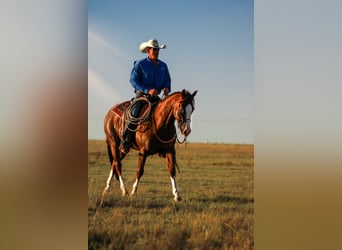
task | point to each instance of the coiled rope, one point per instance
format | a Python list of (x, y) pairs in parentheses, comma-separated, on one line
[(143, 117)]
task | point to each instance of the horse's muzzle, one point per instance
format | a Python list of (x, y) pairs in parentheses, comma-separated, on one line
[(186, 131)]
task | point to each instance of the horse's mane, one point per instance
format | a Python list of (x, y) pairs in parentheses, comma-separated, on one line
[(184, 92), (185, 95), (185, 98)]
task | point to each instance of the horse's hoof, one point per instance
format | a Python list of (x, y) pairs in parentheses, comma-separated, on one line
[(178, 198), (105, 191), (101, 204)]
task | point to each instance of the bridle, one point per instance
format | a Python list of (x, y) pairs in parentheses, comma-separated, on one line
[(181, 118), (182, 115)]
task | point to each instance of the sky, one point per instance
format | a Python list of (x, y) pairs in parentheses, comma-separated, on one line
[(209, 49)]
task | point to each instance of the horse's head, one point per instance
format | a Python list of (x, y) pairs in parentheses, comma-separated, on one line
[(183, 111)]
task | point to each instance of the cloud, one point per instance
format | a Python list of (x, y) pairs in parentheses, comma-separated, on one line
[(101, 88), (108, 74)]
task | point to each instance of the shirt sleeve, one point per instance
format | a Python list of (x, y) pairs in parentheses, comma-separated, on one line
[(167, 80), (135, 78)]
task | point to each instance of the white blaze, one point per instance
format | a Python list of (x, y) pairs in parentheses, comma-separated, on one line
[(188, 112)]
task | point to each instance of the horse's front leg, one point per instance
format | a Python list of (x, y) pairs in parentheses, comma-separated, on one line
[(171, 165), (140, 172)]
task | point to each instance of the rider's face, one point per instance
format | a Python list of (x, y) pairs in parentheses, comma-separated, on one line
[(153, 53)]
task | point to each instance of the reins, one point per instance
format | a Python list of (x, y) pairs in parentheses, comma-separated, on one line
[(181, 142), (168, 141), (175, 136)]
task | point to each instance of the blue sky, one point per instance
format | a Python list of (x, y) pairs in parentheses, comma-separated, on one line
[(209, 49)]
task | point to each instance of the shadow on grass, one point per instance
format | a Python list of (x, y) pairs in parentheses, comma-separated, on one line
[(129, 202), (227, 199), (97, 240)]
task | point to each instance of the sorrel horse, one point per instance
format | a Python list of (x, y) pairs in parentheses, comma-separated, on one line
[(158, 136)]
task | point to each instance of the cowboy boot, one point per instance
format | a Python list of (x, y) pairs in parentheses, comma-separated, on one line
[(128, 135), (126, 141)]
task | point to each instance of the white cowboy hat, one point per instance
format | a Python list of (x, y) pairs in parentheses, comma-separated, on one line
[(153, 43)]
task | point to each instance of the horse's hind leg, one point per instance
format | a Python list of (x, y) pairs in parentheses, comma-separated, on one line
[(115, 161), (171, 164), (140, 172), (110, 177), (110, 155)]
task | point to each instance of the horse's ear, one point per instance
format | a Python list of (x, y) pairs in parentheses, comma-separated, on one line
[(193, 94)]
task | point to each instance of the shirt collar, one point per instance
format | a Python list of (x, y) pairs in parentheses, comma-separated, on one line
[(149, 60)]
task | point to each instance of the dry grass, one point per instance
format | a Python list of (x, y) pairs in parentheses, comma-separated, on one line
[(216, 211)]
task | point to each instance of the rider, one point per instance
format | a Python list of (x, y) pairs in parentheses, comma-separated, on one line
[(149, 77)]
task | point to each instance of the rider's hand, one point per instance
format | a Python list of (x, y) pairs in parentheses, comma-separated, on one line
[(166, 91), (153, 92)]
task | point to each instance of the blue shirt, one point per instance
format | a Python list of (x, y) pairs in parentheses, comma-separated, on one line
[(145, 76)]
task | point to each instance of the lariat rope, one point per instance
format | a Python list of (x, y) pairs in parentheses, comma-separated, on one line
[(144, 117)]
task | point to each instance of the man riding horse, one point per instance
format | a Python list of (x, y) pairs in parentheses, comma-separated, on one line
[(149, 77)]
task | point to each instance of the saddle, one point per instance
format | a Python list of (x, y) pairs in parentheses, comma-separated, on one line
[(119, 109)]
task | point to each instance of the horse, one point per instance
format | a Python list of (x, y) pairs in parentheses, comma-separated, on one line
[(158, 136)]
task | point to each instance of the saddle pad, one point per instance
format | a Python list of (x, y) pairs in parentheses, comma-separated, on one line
[(120, 108)]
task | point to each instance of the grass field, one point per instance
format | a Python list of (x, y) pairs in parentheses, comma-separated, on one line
[(216, 182)]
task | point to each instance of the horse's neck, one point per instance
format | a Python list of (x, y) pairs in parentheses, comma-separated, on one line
[(163, 115)]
